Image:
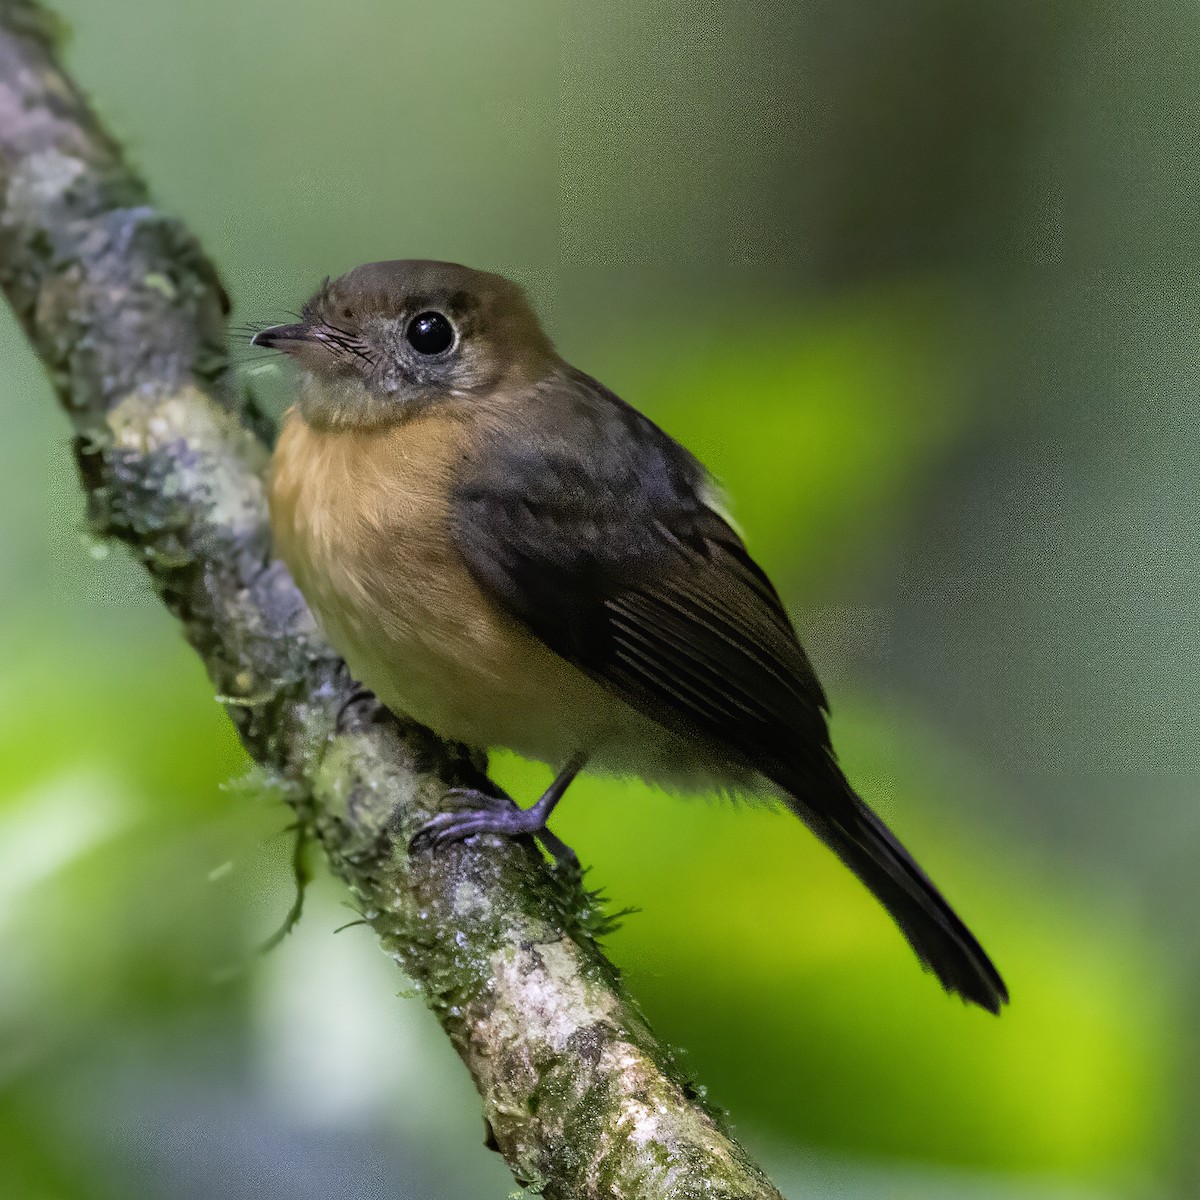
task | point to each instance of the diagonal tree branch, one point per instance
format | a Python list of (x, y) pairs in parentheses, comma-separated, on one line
[(129, 318)]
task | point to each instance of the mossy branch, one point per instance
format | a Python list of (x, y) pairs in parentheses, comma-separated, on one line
[(129, 318)]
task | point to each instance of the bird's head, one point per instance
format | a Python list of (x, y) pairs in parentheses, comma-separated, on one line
[(391, 339)]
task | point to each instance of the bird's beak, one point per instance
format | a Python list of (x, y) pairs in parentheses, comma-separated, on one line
[(278, 335)]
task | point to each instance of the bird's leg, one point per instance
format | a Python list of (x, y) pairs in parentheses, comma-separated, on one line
[(477, 812)]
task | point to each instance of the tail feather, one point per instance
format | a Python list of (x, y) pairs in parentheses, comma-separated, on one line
[(864, 843)]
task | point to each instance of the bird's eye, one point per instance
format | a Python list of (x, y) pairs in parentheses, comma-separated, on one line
[(430, 333)]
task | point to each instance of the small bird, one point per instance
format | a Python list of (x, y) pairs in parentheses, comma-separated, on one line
[(506, 551)]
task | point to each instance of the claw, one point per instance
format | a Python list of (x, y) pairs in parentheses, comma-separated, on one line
[(360, 696), (496, 814)]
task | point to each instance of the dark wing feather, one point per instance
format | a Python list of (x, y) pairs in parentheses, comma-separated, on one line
[(610, 554)]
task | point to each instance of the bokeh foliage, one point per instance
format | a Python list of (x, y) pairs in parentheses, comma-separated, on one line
[(830, 247)]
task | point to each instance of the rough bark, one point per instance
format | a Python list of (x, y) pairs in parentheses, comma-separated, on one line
[(129, 318)]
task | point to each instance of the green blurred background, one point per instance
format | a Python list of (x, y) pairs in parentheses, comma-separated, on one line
[(918, 282)]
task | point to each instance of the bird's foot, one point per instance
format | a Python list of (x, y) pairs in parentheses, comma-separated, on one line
[(468, 811), (471, 811)]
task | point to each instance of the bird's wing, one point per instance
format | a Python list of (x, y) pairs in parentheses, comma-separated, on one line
[(612, 554)]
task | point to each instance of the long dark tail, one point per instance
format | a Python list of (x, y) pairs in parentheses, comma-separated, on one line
[(864, 843)]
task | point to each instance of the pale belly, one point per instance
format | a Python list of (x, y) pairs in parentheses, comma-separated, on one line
[(363, 527), (436, 653)]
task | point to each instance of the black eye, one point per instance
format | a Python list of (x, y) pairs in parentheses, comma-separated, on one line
[(430, 333)]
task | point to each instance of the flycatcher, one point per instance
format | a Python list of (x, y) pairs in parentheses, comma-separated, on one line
[(506, 551)]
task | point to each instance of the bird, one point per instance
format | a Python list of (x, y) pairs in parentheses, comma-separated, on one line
[(505, 551)]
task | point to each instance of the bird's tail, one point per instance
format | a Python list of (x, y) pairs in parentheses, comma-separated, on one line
[(864, 843)]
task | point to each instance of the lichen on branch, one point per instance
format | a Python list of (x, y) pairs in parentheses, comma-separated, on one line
[(128, 316)]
